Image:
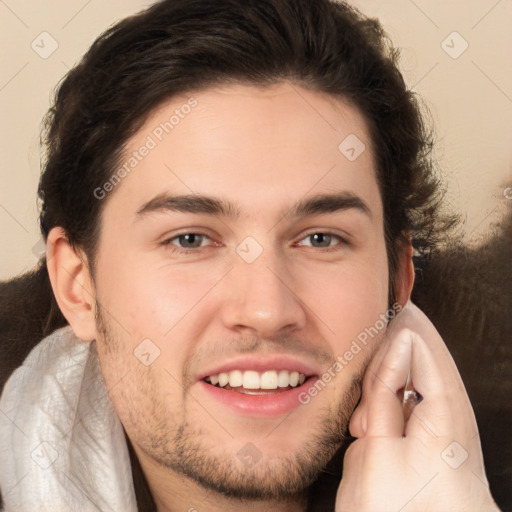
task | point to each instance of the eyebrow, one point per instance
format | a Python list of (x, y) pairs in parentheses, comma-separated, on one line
[(189, 204), (329, 203), (315, 205)]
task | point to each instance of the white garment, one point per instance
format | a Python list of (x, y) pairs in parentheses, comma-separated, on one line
[(62, 446)]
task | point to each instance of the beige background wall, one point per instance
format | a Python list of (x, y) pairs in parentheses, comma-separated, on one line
[(469, 92)]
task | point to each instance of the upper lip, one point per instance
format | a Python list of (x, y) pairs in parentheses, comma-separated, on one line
[(260, 364)]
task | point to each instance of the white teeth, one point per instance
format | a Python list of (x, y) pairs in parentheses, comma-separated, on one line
[(251, 380), (283, 379), (294, 379), (235, 378), (223, 379), (270, 379)]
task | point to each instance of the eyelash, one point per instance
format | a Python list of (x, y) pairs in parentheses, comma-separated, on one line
[(168, 243), (341, 241)]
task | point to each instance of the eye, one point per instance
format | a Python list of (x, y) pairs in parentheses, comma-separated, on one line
[(321, 240), (189, 241)]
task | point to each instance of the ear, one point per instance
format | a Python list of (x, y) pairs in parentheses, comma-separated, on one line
[(404, 279), (72, 284)]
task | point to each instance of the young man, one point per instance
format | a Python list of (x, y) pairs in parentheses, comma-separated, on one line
[(231, 197)]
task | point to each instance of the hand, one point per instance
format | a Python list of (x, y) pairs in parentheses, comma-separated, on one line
[(430, 462)]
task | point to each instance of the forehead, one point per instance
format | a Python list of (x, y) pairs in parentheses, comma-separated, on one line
[(254, 146)]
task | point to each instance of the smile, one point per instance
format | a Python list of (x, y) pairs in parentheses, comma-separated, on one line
[(259, 388), (251, 381)]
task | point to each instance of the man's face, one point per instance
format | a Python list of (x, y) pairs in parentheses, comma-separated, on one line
[(273, 263)]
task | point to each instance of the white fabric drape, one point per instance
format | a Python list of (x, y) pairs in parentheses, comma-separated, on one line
[(62, 445)]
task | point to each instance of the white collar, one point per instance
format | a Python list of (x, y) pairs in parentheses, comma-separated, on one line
[(62, 445)]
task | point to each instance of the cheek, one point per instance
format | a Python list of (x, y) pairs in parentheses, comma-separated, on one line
[(347, 298), (352, 307), (150, 300), (169, 301), (141, 393)]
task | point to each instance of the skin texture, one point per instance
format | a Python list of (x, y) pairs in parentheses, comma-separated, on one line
[(262, 151)]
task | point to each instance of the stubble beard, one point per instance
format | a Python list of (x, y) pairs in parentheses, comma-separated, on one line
[(184, 448)]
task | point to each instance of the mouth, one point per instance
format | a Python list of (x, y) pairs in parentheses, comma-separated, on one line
[(251, 382), (259, 388)]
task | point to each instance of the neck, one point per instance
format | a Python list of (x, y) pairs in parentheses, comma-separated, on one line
[(176, 493), (221, 504)]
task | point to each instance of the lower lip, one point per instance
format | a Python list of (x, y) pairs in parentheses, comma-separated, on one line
[(259, 406)]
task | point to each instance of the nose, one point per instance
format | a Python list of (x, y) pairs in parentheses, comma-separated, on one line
[(261, 299)]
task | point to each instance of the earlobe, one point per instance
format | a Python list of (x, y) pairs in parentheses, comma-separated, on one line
[(405, 273), (72, 284)]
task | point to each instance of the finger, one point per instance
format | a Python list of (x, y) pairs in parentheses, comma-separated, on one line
[(385, 416), (413, 319), (445, 404), (359, 420)]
